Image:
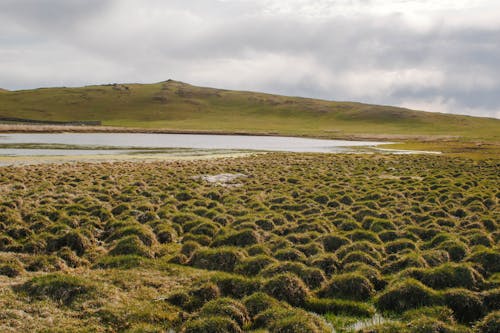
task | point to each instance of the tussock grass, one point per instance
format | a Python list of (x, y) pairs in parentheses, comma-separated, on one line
[(145, 246)]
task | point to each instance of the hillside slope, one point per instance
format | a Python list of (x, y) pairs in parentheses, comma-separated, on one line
[(179, 106)]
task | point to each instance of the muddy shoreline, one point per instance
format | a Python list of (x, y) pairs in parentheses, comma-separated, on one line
[(23, 128)]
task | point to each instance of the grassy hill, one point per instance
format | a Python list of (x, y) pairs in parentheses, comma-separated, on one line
[(179, 106)]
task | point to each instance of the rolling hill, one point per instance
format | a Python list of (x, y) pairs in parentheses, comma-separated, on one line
[(173, 105)]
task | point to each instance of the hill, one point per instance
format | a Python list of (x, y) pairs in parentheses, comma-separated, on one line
[(175, 105)]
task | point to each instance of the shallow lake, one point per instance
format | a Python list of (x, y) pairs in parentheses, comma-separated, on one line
[(106, 143)]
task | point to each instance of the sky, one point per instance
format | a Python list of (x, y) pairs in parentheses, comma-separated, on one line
[(440, 56)]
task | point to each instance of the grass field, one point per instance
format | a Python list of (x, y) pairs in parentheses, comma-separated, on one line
[(173, 105), (273, 242)]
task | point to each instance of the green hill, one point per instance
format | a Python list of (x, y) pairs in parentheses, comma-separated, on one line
[(178, 106)]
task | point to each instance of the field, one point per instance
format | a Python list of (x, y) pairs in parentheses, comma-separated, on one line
[(278, 242), (177, 106)]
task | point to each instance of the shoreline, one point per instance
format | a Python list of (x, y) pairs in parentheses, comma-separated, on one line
[(23, 128), (7, 161)]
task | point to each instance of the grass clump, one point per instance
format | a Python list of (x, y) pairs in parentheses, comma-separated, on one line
[(287, 287), (439, 313), (221, 259), (194, 298), (259, 302), (406, 295), (11, 267), (254, 265), (489, 259), (449, 275), (467, 306), (296, 323), (491, 299), (236, 286), (143, 232), (333, 242), (490, 323), (312, 277), (226, 307), (327, 262), (61, 288), (279, 319), (349, 286), (212, 324), (131, 245), (72, 239), (246, 237)]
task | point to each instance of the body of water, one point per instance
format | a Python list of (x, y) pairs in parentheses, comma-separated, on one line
[(159, 141)]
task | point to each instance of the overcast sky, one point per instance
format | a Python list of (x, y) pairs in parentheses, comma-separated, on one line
[(435, 55)]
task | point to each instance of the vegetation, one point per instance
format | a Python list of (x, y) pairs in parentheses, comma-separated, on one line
[(172, 105), (304, 243)]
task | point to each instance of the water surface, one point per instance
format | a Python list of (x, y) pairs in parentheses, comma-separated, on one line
[(154, 141)]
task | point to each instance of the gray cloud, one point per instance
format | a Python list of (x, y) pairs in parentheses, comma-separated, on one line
[(441, 60)]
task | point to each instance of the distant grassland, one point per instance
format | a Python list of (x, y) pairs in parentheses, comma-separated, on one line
[(173, 105)]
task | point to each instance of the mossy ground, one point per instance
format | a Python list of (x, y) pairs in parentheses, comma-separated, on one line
[(152, 246)]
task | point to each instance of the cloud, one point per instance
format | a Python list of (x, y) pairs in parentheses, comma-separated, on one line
[(438, 56)]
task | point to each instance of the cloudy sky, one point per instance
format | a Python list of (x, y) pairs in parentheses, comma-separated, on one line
[(441, 56)]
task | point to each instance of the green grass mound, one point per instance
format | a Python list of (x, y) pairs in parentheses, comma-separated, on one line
[(405, 295), (432, 325), (240, 238), (73, 239), (411, 260), (491, 299), (449, 275), (489, 259), (142, 231), (236, 286), (399, 245), (371, 273), (436, 257), (265, 318), (61, 288), (298, 324), (490, 324), (259, 302), (467, 306), (360, 257), (131, 245), (11, 267), (289, 254), (287, 287), (312, 277), (226, 307), (280, 319), (196, 297), (327, 262), (439, 313), (212, 324), (456, 249), (189, 247), (254, 265), (349, 286), (333, 242), (221, 259)]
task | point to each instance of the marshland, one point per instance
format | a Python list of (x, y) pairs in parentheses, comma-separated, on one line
[(280, 242), (260, 166)]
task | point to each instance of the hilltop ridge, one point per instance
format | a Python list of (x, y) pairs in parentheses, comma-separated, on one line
[(174, 105)]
